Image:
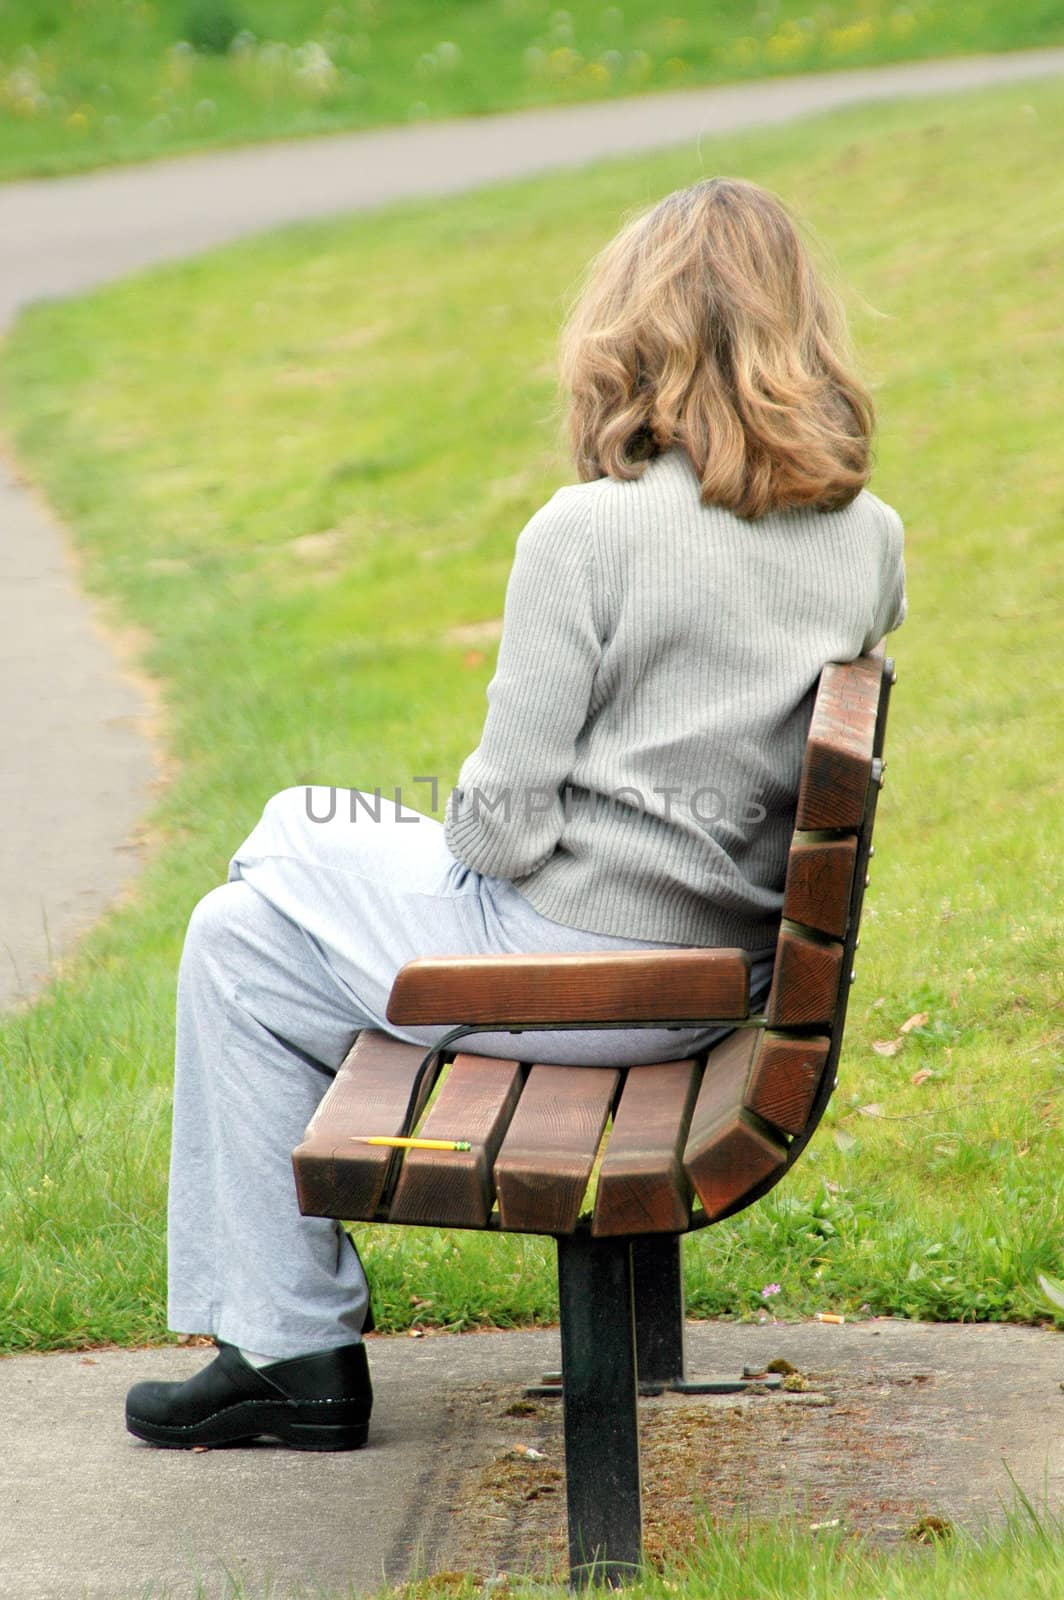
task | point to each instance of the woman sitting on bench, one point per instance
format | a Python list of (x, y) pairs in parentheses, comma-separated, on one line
[(666, 621)]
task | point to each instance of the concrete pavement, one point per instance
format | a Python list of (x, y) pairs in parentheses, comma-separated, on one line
[(931, 1418), (78, 762)]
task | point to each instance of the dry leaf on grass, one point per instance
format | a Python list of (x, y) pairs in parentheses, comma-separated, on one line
[(887, 1047), (916, 1021)]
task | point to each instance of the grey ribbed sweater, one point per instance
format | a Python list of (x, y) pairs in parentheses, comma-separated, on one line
[(639, 764)]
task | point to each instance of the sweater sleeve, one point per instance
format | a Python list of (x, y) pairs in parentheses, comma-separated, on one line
[(506, 814), (892, 605)]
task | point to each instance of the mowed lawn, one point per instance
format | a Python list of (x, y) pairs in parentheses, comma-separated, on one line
[(102, 81), (298, 467)]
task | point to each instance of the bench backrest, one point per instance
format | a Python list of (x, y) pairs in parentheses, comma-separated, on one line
[(765, 1089)]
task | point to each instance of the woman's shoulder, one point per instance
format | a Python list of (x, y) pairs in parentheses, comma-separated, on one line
[(565, 514), (877, 510), (665, 478)]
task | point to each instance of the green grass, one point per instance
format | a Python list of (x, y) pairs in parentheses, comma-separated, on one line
[(99, 81), (783, 1561), (299, 463)]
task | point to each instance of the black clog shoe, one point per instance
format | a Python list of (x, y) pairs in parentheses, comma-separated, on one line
[(316, 1402)]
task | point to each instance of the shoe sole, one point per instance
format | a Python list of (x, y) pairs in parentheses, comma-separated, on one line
[(256, 1419)]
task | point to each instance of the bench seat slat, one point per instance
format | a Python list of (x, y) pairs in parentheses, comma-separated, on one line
[(335, 1176), (456, 1188), (728, 1151), (642, 1187), (543, 1167), (785, 1077), (630, 986)]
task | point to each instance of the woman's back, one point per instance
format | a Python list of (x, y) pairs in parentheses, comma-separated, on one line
[(639, 765)]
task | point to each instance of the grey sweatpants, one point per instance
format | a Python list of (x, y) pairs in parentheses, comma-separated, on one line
[(282, 966)]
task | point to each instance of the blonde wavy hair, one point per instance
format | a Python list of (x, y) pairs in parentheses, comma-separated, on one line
[(705, 324)]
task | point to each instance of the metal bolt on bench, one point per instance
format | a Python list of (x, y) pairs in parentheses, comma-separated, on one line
[(679, 1145)]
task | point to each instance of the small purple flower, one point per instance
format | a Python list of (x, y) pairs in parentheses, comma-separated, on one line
[(769, 1290)]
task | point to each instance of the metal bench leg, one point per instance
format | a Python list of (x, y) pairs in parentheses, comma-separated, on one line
[(659, 1325), (658, 1286), (599, 1393)]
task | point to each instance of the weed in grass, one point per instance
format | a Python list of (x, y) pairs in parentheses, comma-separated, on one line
[(212, 25)]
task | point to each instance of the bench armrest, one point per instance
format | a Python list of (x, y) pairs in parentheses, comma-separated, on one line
[(520, 991)]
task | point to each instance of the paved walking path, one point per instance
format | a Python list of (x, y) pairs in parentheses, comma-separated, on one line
[(925, 1419), (77, 767)]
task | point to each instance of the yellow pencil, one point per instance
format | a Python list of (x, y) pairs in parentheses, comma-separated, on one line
[(396, 1143)]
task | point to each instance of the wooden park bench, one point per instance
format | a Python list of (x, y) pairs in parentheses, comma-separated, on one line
[(688, 1142)]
